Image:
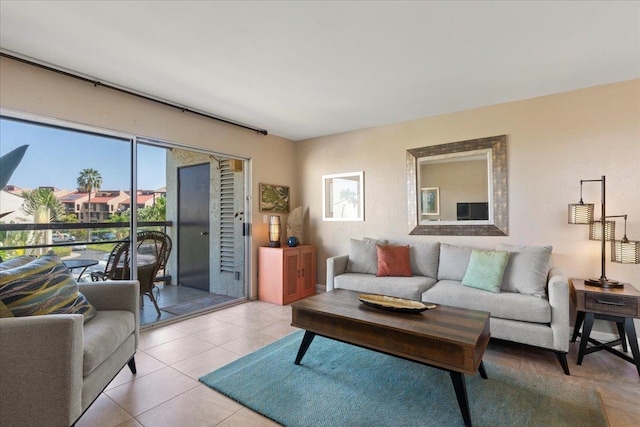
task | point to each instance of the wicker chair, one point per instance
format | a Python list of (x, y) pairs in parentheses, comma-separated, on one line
[(154, 248), (118, 264), (152, 252)]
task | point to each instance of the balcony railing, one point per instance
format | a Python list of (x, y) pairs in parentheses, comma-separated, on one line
[(72, 233)]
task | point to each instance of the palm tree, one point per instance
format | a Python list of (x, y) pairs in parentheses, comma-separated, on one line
[(89, 180), (45, 207), (348, 197), (42, 198)]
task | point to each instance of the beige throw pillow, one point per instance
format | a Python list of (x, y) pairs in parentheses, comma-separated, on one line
[(527, 269)]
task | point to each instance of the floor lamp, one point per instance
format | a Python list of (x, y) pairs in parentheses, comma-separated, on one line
[(622, 251)]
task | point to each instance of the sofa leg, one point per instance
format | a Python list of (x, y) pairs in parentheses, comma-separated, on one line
[(562, 358), (132, 365)]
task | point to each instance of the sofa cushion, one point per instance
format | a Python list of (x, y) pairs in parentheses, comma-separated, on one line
[(504, 305), (16, 262), (103, 335), (404, 287), (453, 262), (527, 269), (485, 270), (393, 261), (363, 257), (424, 259), (43, 286)]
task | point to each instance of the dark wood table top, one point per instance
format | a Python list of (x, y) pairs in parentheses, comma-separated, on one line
[(447, 337), (627, 290), (623, 301)]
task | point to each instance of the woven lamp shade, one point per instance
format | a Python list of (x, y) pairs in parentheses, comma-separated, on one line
[(625, 251), (581, 213), (595, 230), (274, 231)]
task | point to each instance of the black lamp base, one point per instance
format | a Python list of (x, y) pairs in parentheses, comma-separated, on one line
[(604, 283), (274, 244)]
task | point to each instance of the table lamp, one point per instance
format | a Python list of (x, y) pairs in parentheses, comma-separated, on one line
[(622, 251), (274, 231)]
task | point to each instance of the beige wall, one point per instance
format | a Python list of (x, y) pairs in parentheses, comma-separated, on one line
[(552, 143), (32, 90)]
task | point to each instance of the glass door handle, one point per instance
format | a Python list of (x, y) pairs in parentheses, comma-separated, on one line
[(204, 233)]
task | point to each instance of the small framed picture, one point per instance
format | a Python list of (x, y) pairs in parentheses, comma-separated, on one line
[(343, 197), (430, 201), (274, 198)]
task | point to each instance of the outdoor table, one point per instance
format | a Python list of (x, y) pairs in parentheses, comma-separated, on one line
[(73, 264)]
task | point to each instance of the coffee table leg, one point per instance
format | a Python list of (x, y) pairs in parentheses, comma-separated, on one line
[(483, 372), (460, 387), (304, 346)]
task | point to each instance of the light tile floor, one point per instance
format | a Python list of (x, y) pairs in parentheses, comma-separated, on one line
[(166, 296), (171, 358)]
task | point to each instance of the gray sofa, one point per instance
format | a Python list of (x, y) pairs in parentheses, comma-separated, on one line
[(52, 367), (531, 306)]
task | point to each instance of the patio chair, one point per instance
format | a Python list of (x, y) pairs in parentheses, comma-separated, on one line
[(154, 248), (119, 255), (152, 253)]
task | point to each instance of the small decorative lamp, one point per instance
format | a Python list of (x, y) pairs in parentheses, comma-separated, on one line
[(274, 231), (595, 230), (581, 212), (625, 251)]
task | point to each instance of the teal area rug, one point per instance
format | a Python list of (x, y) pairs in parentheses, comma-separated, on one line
[(342, 385)]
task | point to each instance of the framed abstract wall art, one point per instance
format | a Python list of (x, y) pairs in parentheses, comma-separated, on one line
[(274, 198)]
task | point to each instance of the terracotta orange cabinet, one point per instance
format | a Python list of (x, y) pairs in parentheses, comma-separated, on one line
[(286, 274)]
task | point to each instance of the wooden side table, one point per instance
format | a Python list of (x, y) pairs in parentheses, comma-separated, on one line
[(620, 305)]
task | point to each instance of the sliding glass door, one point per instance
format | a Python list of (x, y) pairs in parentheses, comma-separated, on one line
[(79, 191)]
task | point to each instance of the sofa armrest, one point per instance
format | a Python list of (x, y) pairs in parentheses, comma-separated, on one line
[(114, 295), (559, 296), (39, 354), (336, 265)]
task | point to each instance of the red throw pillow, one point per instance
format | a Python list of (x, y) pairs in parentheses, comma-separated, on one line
[(394, 261)]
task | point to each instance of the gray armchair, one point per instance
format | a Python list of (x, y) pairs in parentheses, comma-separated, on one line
[(53, 367)]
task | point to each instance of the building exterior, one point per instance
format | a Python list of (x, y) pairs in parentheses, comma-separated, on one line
[(104, 203)]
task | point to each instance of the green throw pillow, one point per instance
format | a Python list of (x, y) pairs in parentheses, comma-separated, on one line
[(485, 270), (42, 286)]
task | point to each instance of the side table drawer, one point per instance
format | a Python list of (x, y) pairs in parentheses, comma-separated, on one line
[(612, 304)]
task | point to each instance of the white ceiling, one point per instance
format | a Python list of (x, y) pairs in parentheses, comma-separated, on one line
[(307, 69)]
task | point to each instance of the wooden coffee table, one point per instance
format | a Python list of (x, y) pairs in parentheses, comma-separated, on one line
[(448, 338)]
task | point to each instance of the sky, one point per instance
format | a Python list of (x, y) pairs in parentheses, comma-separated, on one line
[(56, 157)]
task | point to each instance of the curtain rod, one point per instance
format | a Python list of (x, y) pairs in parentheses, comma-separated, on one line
[(97, 83)]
